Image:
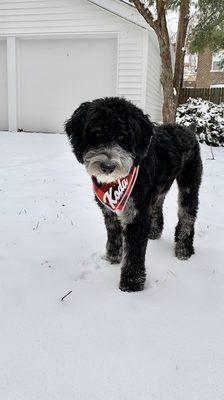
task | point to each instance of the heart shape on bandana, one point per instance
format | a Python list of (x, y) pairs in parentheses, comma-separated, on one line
[(114, 195)]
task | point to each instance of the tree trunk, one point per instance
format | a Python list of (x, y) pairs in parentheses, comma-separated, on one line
[(169, 104), (184, 15), (166, 78), (170, 81)]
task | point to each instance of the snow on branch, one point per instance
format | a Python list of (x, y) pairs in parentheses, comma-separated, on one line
[(143, 7), (207, 117)]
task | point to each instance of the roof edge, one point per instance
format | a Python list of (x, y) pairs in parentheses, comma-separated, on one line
[(123, 10)]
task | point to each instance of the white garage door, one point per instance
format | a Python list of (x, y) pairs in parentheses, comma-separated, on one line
[(3, 87), (55, 76)]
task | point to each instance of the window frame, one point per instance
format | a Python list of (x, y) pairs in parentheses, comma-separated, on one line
[(216, 58)]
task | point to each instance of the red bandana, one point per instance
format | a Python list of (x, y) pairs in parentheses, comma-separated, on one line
[(114, 195)]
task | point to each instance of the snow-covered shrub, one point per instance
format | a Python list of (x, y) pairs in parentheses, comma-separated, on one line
[(207, 117)]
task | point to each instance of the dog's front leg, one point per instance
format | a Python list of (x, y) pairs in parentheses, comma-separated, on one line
[(135, 242), (114, 237)]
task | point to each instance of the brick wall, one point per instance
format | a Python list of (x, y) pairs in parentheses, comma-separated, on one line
[(205, 77), (189, 84)]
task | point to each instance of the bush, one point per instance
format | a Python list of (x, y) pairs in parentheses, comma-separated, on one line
[(207, 117)]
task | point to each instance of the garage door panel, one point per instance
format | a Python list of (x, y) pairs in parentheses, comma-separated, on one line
[(55, 76)]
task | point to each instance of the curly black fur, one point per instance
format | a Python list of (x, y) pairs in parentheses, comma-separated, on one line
[(164, 153)]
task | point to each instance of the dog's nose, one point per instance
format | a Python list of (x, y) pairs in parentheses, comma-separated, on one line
[(107, 167)]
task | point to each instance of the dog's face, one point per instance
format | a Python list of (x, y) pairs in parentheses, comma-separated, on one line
[(109, 136)]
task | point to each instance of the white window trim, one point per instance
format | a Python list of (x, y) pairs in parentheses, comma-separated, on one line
[(218, 85), (217, 70)]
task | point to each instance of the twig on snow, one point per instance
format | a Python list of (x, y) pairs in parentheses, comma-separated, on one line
[(67, 294), (36, 227)]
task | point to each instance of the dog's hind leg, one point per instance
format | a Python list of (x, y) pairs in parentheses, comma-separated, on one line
[(114, 237), (156, 213), (188, 183)]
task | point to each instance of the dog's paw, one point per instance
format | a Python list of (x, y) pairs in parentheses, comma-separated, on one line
[(113, 258), (182, 251), (132, 284)]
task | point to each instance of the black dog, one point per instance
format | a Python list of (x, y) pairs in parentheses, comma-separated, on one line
[(112, 136)]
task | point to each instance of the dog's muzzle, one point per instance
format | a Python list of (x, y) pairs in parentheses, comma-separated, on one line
[(108, 163)]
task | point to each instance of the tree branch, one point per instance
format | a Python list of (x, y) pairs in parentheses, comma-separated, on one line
[(160, 9), (145, 12)]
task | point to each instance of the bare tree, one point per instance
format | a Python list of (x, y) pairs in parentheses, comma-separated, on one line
[(171, 78)]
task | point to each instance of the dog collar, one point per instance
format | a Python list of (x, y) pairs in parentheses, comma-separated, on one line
[(114, 195)]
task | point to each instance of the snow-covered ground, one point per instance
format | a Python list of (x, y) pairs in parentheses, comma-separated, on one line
[(164, 343)]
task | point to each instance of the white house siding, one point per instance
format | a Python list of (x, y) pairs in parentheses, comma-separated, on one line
[(130, 66), (154, 94), (3, 86), (57, 16)]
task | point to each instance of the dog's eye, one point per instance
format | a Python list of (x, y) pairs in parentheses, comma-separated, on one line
[(97, 132), (121, 138)]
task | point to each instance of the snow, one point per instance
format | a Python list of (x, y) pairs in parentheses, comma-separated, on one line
[(164, 343)]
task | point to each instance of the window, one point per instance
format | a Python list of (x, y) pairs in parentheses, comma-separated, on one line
[(217, 59)]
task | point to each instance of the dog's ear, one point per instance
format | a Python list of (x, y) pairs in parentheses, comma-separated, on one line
[(142, 129), (74, 127)]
